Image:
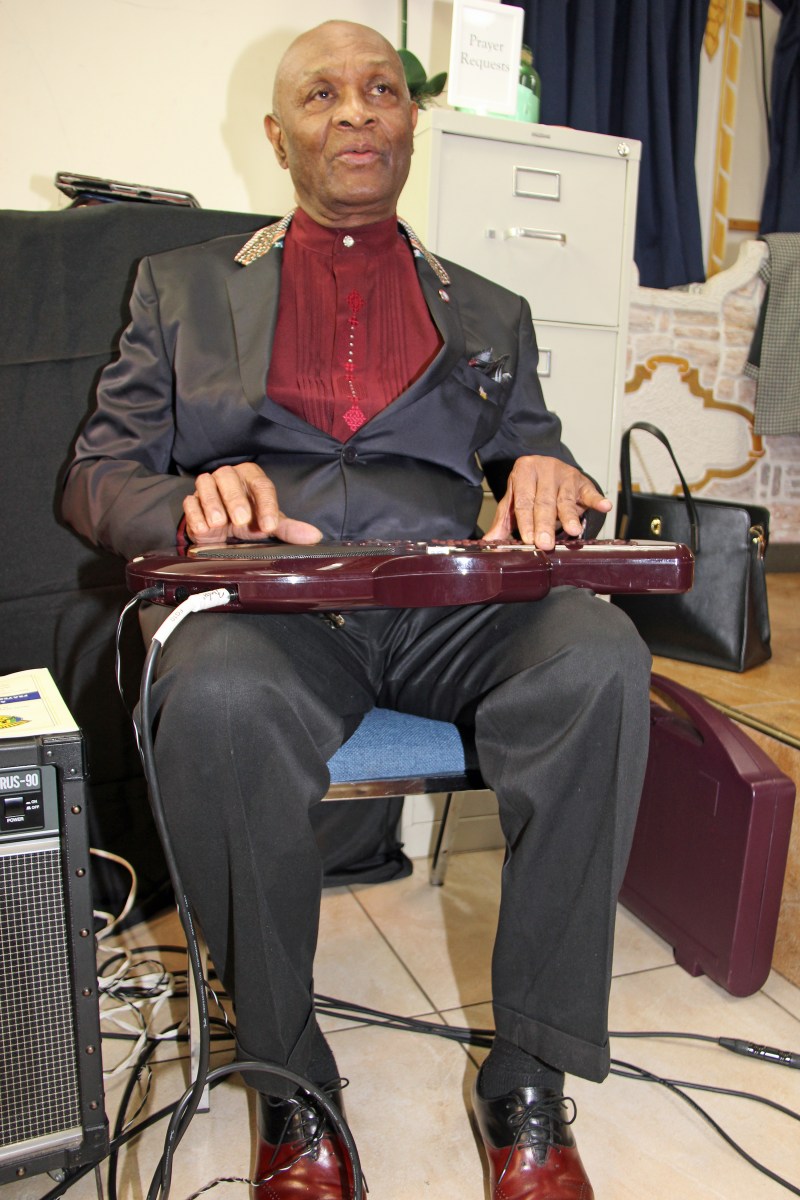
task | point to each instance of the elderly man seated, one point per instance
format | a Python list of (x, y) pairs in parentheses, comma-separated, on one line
[(332, 379)]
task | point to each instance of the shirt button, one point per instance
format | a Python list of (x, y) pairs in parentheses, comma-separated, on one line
[(349, 454), (348, 241)]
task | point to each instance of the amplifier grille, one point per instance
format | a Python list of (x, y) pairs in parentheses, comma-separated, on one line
[(39, 1091)]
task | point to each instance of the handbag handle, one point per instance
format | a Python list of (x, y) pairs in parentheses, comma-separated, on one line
[(627, 487)]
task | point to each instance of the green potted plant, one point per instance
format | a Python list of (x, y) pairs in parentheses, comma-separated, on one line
[(422, 89)]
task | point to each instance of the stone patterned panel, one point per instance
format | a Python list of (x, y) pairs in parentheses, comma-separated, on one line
[(686, 353)]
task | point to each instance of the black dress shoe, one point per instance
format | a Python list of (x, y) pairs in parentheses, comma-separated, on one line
[(299, 1156), (531, 1151)]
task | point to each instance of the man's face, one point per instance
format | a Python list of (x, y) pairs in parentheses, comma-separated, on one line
[(343, 124)]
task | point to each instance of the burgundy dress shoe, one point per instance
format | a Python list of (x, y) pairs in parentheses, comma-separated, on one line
[(299, 1155), (531, 1151)]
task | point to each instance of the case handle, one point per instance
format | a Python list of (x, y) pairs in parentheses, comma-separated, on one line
[(711, 725)]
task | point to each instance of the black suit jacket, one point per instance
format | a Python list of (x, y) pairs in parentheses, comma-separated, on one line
[(188, 394)]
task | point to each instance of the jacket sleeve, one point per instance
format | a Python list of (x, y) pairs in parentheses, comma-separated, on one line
[(122, 491)]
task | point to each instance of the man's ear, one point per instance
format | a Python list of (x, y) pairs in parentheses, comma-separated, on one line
[(275, 135)]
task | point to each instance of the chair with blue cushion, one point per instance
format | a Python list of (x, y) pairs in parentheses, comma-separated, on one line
[(397, 754)]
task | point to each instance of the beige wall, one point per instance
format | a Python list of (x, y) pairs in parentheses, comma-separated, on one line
[(163, 92), (173, 92)]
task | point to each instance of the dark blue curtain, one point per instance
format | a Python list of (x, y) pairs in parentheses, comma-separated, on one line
[(780, 212), (631, 68)]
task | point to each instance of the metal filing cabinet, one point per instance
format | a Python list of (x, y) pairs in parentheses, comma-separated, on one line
[(549, 213)]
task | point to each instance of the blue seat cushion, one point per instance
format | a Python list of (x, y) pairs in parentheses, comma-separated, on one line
[(395, 745)]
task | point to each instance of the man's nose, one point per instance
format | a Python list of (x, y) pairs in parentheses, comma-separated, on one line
[(353, 109)]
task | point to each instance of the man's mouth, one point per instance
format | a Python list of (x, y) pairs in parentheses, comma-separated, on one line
[(359, 154)]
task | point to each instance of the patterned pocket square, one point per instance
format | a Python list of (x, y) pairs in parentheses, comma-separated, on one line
[(490, 366)]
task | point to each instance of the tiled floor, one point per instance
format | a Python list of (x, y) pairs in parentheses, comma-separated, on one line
[(410, 949)]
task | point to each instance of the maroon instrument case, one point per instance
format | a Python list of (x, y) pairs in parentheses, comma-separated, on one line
[(711, 843)]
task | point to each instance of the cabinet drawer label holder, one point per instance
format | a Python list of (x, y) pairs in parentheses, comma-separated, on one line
[(536, 184)]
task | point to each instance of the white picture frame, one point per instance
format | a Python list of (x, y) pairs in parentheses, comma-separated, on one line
[(485, 48)]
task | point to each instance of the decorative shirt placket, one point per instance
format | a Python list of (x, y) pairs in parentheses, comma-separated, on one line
[(348, 363)]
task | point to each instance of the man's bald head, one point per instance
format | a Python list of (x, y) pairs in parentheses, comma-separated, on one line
[(319, 39), (343, 123)]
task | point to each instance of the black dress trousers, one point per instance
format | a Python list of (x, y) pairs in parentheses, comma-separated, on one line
[(249, 709)]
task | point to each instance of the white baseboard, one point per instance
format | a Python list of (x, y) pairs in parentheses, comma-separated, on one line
[(478, 826)]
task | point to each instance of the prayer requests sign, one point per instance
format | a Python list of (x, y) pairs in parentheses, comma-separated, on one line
[(484, 56)]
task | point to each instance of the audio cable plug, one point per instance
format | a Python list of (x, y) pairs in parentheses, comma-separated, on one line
[(786, 1058), (197, 602)]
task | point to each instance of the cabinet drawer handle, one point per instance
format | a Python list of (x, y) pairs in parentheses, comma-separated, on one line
[(547, 235)]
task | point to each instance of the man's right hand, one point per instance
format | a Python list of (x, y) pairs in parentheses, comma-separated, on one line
[(241, 502)]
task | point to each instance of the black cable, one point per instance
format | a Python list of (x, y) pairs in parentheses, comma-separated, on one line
[(63, 1187), (314, 1093), (476, 1037), (157, 949), (161, 1038), (736, 1093), (148, 1050), (639, 1073), (151, 593), (347, 1010), (484, 1037), (146, 1053), (187, 1107), (663, 1033), (328, 1006), (620, 1068), (783, 1058), (162, 1178)]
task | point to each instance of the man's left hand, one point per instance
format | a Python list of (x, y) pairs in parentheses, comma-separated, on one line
[(543, 493)]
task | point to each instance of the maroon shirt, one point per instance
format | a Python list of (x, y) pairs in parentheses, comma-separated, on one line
[(353, 329)]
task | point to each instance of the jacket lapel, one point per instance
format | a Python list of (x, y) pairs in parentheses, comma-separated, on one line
[(253, 293), (443, 307), (444, 311)]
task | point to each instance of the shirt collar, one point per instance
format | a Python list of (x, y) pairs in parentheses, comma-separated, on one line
[(327, 240), (272, 237)]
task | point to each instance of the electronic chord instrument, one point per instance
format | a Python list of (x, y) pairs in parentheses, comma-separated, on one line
[(276, 577)]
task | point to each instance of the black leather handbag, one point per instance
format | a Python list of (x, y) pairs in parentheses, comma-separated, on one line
[(724, 620)]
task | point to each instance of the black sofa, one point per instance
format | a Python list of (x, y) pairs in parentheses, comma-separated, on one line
[(65, 279)]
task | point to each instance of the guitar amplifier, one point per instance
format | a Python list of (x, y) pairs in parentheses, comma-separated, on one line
[(52, 1112)]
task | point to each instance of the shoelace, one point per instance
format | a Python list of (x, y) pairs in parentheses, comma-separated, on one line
[(272, 1171), (311, 1141), (525, 1122)]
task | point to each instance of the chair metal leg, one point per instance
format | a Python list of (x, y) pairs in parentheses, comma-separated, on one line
[(451, 812)]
